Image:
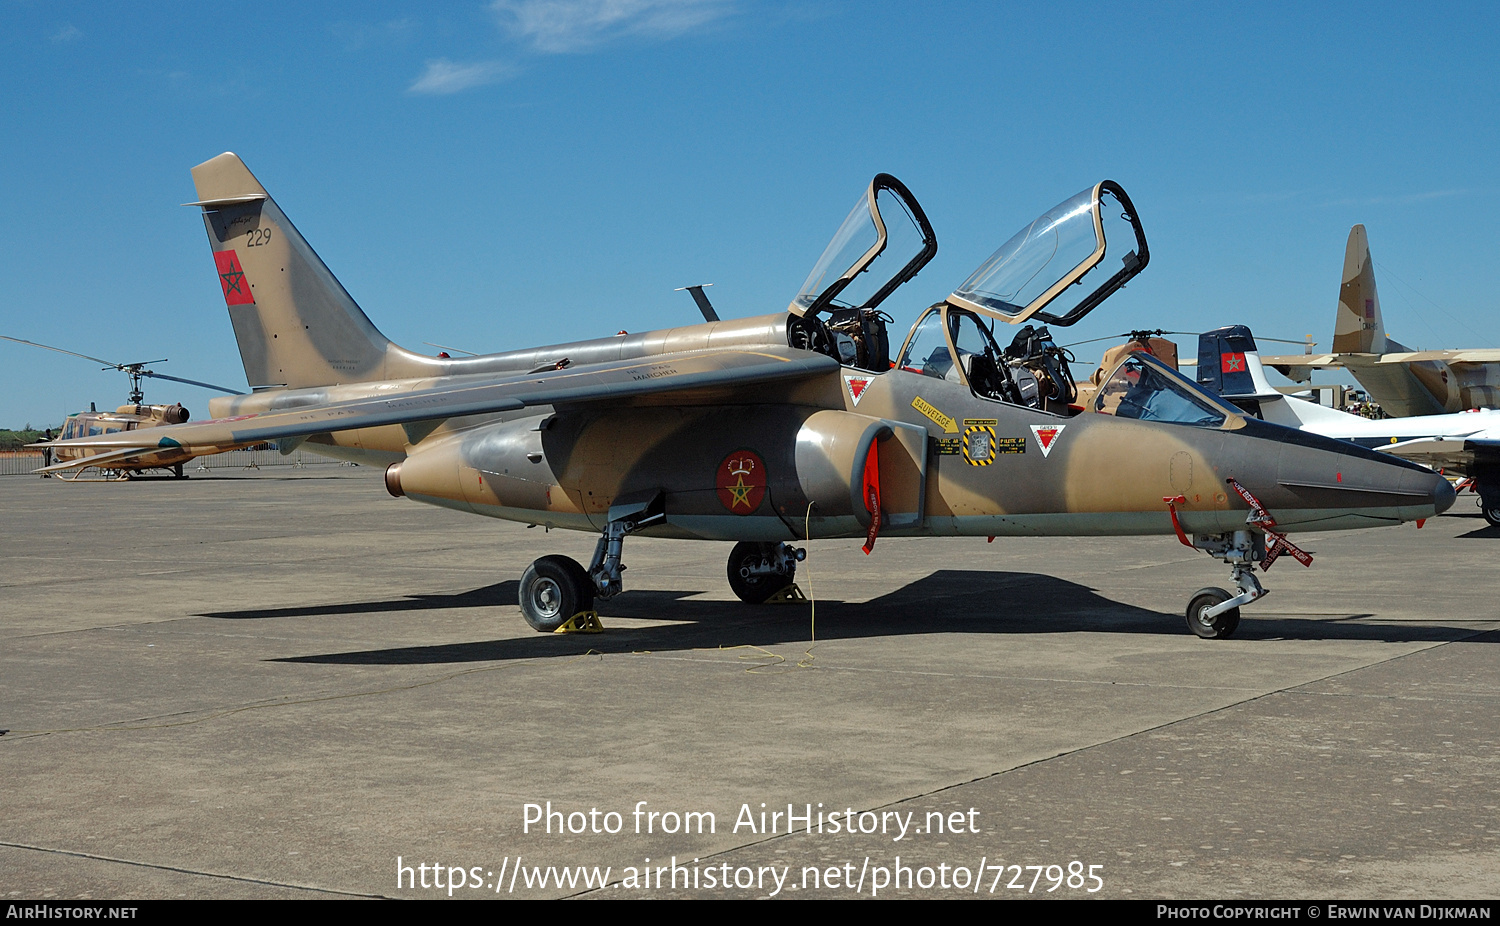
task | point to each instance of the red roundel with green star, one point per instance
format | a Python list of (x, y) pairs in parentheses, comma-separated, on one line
[(741, 481)]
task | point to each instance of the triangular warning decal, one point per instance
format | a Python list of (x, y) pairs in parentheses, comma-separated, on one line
[(857, 385), (1046, 436)]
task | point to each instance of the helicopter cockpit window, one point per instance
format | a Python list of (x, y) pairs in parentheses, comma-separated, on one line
[(1038, 267), (1147, 390)]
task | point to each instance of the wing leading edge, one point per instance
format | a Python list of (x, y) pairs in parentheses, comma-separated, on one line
[(717, 372)]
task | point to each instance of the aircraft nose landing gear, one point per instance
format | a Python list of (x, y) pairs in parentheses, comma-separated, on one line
[(1214, 613)]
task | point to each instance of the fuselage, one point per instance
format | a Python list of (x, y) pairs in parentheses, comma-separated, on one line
[(131, 417), (782, 462)]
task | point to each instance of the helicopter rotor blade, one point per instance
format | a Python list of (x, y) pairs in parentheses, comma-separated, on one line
[(131, 368), (1125, 334), (191, 382), (108, 365)]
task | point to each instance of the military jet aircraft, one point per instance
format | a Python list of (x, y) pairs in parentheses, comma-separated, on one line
[(768, 430), (1467, 443), (1403, 381)]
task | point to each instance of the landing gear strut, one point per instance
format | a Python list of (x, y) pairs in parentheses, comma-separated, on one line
[(555, 588), (1214, 613), (759, 570)]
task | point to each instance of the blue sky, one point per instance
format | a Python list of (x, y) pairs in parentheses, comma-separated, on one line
[(495, 175)]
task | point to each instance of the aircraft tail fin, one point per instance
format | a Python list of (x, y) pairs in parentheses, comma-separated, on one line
[(1229, 364), (295, 323), (1358, 328)]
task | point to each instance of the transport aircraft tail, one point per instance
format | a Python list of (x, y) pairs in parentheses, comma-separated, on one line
[(1358, 328), (295, 324)]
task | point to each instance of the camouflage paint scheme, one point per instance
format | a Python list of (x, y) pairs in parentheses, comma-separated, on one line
[(125, 418), (1402, 381), (745, 437)]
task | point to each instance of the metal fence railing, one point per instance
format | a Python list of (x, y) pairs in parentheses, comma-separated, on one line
[(22, 462)]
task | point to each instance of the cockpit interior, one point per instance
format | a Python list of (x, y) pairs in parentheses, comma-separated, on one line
[(1054, 270)]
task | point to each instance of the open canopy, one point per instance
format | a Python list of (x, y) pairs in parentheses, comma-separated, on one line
[(887, 223), (1037, 268)]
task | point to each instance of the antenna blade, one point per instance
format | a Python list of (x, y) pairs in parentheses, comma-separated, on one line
[(704, 305)]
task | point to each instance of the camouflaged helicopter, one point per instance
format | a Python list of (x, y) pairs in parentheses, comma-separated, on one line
[(768, 430), (132, 416)]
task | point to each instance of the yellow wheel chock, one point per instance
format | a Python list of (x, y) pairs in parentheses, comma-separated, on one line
[(789, 595), (582, 622)]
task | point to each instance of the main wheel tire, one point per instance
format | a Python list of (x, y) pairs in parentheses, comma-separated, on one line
[(1491, 513), (755, 589), (1215, 628), (553, 589)]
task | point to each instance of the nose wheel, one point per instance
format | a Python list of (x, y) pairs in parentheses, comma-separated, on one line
[(1206, 624)]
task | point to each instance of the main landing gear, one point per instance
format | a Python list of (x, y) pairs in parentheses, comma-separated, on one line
[(556, 588), (759, 570), (1489, 501), (1486, 484), (553, 589)]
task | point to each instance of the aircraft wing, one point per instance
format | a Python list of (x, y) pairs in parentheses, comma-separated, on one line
[(1440, 452), (1326, 361), (1304, 361), (715, 374), (103, 460)]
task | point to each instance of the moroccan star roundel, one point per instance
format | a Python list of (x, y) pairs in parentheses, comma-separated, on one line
[(741, 481)]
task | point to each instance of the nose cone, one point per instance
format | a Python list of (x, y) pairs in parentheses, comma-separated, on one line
[(1443, 495), (1326, 484)]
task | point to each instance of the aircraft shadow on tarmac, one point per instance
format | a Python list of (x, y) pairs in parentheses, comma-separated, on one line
[(947, 601), (490, 596)]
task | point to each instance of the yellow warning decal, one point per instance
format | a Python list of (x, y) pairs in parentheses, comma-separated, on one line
[(938, 418)]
